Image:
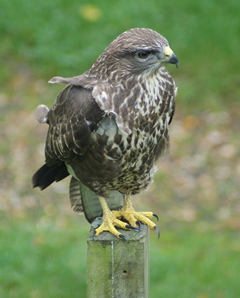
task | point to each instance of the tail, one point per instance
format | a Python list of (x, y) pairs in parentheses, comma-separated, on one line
[(46, 175), (81, 197), (85, 200)]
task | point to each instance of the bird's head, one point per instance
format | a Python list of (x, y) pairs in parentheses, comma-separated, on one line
[(135, 52)]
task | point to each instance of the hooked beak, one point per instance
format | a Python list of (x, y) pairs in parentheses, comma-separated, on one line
[(170, 56)]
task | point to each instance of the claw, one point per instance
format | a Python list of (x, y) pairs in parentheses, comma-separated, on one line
[(156, 216), (131, 227), (139, 225), (156, 228), (123, 237)]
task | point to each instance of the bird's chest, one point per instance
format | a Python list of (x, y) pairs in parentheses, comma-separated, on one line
[(129, 154), (145, 104), (138, 149), (134, 155)]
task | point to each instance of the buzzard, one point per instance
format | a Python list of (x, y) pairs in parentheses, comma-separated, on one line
[(107, 128)]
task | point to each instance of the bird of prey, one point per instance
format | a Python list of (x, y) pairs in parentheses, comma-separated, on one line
[(107, 128)]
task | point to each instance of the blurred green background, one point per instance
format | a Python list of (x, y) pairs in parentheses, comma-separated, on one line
[(196, 189)]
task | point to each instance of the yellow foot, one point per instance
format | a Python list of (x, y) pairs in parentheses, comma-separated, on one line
[(110, 221), (134, 217)]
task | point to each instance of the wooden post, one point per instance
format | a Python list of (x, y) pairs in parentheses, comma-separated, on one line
[(116, 268)]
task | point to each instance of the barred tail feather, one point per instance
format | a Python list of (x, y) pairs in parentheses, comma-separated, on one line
[(85, 200)]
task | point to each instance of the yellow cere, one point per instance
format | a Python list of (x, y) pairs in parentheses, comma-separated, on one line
[(168, 52)]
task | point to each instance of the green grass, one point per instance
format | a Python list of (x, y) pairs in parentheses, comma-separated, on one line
[(42, 260), (47, 260), (193, 264), (196, 189)]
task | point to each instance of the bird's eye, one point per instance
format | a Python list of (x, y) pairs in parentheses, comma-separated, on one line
[(143, 54)]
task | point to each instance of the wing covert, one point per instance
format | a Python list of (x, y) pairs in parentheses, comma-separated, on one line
[(73, 117)]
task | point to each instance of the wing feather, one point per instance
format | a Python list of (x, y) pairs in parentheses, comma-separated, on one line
[(73, 117)]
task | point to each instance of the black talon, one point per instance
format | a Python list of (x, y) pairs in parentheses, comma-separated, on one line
[(94, 233), (156, 228), (155, 216), (123, 237), (131, 227), (139, 224)]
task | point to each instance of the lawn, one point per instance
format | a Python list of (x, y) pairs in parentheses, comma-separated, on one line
[(47, 257), (196, 189)]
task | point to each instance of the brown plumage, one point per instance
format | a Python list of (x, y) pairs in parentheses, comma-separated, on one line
[(110, 124)]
